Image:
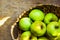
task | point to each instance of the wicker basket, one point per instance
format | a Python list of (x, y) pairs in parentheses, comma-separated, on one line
[(16, 32)]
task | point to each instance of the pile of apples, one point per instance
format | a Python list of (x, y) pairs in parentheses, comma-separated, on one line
[(39, 24)]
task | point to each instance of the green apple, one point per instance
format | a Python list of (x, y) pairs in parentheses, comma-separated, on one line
[(53, 29), (25, 35), (38, 28), (42, 38), (33, 38), (25, 23), (50, 17), (36, 14)]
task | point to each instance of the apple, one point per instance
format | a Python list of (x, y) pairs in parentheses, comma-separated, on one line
[(25, 23), (38, 28), (53, 29), (42, 38), (25, 35), (36, 14), (33, 38), (50, 17)]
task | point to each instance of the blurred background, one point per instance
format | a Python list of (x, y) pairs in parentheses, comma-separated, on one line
[(13, 8)]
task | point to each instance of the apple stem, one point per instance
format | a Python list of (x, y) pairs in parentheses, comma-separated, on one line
[(41, 27)]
